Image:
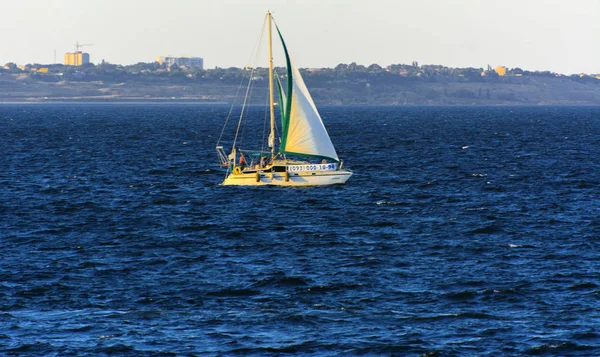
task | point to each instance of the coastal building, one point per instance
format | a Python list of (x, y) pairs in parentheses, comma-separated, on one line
[(500, 70), (195, 62), (76, 58)]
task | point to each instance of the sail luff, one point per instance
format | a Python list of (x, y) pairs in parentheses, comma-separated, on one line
[(285, 120)]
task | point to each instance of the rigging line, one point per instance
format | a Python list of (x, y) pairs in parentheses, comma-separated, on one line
[(252, 54), (244, 117), (262, 142), (250, 84), (247, 99), (230, 109)]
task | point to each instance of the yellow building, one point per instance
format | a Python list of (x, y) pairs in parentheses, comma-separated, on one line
[(43, 70), (501, 70), (76, 58)]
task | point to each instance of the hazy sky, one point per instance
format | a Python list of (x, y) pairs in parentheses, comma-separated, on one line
[(556, 35)]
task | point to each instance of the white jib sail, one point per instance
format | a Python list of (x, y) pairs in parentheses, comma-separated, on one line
[(306, 132)]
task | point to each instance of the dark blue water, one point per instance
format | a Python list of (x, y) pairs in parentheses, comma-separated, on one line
[(464, 232)]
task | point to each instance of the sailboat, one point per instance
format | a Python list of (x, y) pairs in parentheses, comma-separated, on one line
[(303, 155)]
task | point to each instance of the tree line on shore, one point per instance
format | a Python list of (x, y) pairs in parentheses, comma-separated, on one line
[(155, 71), (397, 84)]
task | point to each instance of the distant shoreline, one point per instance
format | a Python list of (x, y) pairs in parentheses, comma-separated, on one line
[(194, 103), (326, 87), (100, 102)]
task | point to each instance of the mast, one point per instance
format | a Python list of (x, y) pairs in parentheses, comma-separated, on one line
[(271, 102)]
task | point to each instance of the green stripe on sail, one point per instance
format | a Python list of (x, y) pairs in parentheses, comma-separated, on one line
[(285, 120), (312, 156), (281, 103)]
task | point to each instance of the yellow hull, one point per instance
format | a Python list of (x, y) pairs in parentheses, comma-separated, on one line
[(314, 178)]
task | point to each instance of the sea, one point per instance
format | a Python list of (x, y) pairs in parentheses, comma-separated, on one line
[(464, 231)]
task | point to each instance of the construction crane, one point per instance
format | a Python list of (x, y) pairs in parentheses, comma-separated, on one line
[(77, 47)]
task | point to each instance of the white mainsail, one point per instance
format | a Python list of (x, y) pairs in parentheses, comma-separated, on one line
[(303, 131), (306, 133)]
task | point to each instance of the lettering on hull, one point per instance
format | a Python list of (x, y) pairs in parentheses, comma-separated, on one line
[(313, 167)]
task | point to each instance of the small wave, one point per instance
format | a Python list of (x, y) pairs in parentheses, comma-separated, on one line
[(359, 233), (476, 209), (34, 349), (310, 201), (559, 348), (204, 172), (36, 291), (485, 230), (6, 316), (366, 261), (586, 335), (280, 281), (526, 246), (431, 354), (300, 319), (383, 224), (462, 295), (475, 315), (44, 249), (199, 258), (406, 182), (118, 348), (164, 201), (500, 291), (155, 261), (494, 188), (262, 351), (394, 203), (583, 286), (90, 264), (333, 287), (427, 184), (233, 292), (82, 328), (461, 315), (197, 227)]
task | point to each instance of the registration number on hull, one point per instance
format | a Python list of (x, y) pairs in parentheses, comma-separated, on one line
[(312, 167)]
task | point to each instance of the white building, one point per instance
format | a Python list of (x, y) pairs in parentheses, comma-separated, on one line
[(196, 62)]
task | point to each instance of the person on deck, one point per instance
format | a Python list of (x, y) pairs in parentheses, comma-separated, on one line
[(242, 161)]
